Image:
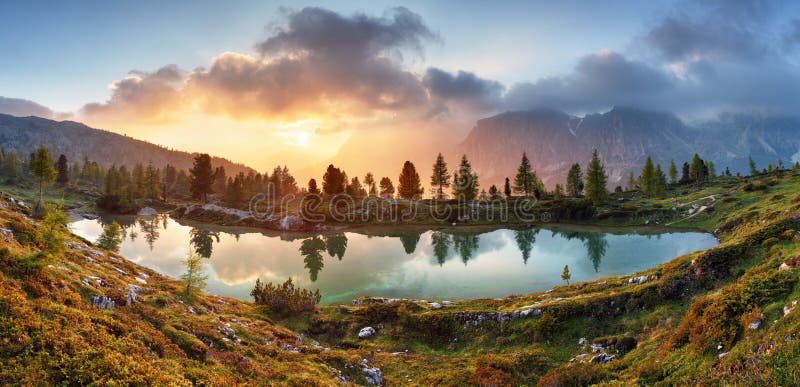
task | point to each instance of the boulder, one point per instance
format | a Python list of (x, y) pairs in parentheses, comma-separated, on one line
[(147, 211), (638, 280), (784, 266), (722, 355), (366, 332), (373, 375), (103, 302), (602, 358), (435, 305), (583, 341)]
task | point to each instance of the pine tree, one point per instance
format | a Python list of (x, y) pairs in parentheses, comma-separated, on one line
[(369, 181), (334, 181), (523, 181), (465, 181), (408, 184), (41, 167), (201, 177), (62, 168), (660, 182), (387, 188), (575, 181), (440, 177), (685, 174), (312, 187), (673, 173), (138, 190), (596, 179), (355, 189), (152, 178), (696, 171), (235, 191), (711, 170), (565, 275), (507, 188)]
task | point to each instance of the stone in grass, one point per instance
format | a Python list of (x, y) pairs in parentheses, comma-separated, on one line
[(366, 332)]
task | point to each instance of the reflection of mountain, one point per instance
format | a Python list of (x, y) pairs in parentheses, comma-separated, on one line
[(336, 244), (311, 249), (203, 241), (525, 240)]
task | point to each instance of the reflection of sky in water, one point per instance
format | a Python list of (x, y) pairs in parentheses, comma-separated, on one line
[(380, 266)]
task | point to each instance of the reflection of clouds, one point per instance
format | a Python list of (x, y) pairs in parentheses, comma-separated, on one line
[(379, 265)]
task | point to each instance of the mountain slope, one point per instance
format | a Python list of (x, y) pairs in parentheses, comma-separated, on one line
[(624, 137), (75, 140)]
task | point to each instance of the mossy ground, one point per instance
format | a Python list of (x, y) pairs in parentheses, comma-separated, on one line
[(688, 307)]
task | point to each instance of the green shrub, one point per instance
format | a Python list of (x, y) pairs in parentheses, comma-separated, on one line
[(285, 298)]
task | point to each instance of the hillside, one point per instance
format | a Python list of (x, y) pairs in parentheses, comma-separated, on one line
[(23, 135), (725, 315), (624, 137)]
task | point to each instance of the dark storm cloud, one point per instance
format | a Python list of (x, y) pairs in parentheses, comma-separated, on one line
[(23, 107), (598, 81), (464, 88)]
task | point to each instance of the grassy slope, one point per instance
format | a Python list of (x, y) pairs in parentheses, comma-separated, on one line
[(50, 332)]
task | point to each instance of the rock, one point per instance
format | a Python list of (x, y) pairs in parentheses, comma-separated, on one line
[(602, 358), (789, 308), (580, 357), (583, 341), (435, 305), (754, 325), (141, 280), (597, 348), (133, 293), (290, 222), (722, 355), (357, 302), (784, 266), (638, 280), (90, 216), (147, 211), (448, 303), (103, 302), (373, 375), (366, 332)]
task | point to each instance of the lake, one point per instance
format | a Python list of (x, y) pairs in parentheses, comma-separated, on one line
[(455, 263)]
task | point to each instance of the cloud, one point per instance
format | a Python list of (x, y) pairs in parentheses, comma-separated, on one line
[(598, 80), (23, 107), (464, 88), (322, 62), (141, 97)]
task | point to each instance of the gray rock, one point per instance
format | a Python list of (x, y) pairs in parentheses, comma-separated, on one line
[(366, 332), (373, 375), (103, 302), (602, 358), (583, 341), (435, 305)]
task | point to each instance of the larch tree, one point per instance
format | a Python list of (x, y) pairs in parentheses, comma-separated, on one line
[(111, 237), (575, 181), (41, 166), (565, 275), (334, 181), (62, 168), (596, 179), (507, 188), (673, 172), (440, 177), (465, 181), (201, 177), (408, 183), (369, 182), (312, 187), (523, 181), (387, 188), (193, 280)]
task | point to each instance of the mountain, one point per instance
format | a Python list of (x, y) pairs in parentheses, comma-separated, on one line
[(624, 138), (75, 140)]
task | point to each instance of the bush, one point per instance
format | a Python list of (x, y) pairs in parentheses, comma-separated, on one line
[(285, 298), (487, 376)]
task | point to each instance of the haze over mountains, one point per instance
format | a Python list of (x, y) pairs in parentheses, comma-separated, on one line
[(22, 135)]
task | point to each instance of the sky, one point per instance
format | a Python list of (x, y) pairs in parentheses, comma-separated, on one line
[(295, 83)]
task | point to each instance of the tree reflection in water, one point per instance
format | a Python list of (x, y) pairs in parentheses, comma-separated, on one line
[(525, 240), (311, 249), (203, 241), (336, 245)]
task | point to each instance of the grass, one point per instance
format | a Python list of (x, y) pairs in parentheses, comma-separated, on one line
[(52, 334)]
